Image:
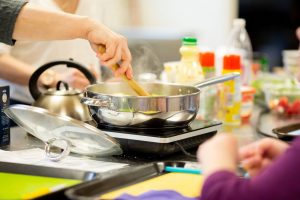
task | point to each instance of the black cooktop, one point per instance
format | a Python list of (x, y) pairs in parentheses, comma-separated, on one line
[(161, 132), (161, 142)]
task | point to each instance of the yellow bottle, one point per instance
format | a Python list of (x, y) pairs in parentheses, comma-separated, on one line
[(189, 70), (230, 96)]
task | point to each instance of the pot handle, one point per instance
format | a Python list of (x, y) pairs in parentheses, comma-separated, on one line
[(217, 79), (103, 103), (33, 87)]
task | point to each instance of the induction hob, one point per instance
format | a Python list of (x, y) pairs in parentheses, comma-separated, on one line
[(160, 141)]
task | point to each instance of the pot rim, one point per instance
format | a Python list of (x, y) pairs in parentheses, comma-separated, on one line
[(198, 91)]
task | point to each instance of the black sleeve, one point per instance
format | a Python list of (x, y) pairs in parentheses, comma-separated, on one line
[(9, 11)]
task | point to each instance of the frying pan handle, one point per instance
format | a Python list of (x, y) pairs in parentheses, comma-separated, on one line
[(33, 86), (103, 103), (217, 79)]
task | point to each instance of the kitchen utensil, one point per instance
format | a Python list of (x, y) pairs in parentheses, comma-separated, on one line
[(61, 101), (44, 125), (132, 83), (170, 105)]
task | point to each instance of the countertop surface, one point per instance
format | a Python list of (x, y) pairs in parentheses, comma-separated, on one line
[(259, 126), (246, 133)]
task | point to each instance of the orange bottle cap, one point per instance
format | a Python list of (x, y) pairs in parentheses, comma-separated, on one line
[(232, 62), (207, 59)]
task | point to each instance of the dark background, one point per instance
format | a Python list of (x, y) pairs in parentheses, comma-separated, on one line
[(271, 25)]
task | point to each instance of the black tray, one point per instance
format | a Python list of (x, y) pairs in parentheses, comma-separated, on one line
[(53, 172), (127, 176), (99, 186)]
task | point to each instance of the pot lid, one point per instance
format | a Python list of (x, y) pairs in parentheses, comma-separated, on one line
[(84, 138)]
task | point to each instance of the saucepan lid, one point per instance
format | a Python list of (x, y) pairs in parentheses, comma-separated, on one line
[(84, 138)]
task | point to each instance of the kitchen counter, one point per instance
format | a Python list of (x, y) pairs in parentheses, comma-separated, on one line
[(246, 133)]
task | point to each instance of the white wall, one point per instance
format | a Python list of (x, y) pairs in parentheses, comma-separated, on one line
[(114, 13), (210, 20)]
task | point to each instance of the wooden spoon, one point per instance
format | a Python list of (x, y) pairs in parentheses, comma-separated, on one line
[(131, 82)]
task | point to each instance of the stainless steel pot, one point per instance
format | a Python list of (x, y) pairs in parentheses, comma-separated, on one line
[(169, 106)]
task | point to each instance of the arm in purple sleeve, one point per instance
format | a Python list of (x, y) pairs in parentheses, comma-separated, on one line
[(280, 181)]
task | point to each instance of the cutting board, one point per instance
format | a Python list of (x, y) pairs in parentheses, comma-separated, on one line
[(19, 186), (188, 185)]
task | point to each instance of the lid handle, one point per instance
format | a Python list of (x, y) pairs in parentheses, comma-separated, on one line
[(58, 85)]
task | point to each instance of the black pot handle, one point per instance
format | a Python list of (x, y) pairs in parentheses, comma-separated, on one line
[(33, 86)]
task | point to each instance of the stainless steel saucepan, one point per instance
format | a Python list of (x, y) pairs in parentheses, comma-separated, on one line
[(169, 106)]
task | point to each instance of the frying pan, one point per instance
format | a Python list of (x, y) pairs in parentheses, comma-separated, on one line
[(169, 106)]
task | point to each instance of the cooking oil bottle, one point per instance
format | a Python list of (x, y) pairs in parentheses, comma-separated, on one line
[(189, 70)]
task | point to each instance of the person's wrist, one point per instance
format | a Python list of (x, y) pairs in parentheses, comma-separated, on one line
[(214, 162), (219, 166), (88, 25)]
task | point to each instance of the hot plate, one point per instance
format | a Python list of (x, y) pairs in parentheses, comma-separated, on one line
[(162, 142)]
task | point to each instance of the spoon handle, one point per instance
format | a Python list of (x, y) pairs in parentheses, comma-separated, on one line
[(131, 82)]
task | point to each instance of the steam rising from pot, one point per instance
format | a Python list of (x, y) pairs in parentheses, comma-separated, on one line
[(144, 60)]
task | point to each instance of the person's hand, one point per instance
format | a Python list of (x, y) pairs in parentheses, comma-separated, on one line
[(74, 78), (298, 33), (116, 47), (258, 155), (218, 153)]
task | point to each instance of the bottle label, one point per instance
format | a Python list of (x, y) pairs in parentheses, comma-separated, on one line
[(231, 106)]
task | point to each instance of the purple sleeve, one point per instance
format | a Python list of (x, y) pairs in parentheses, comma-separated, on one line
[(279, 181)]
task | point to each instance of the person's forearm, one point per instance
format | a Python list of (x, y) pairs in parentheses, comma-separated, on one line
[(37, 24), (14, 70)]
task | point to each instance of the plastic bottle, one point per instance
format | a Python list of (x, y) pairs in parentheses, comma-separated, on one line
[(208, 97), (189, 70), (207, 61), (230, 96), (239, 43)]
